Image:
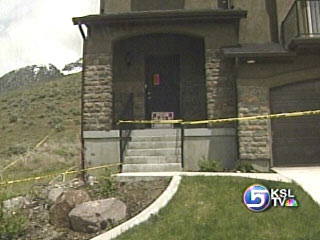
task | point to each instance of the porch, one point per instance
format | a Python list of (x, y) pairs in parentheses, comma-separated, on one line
[(155, 65)]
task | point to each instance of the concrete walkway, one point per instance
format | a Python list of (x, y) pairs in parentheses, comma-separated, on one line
[(307, 177)]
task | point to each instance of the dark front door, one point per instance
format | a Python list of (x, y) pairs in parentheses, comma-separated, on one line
[(162, 85)]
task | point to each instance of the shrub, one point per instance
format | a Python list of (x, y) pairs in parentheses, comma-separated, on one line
[(15, 105), (27, 124), (244, 166), (64, 152), (13, 119), (75, 112), (207, 165), (59, 127), (33, 98), (51, 107), (11, 225), (107, 184), (17, 149), (41, 96), (54, 121)]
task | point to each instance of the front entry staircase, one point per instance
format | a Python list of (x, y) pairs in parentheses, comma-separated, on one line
[(153, 150)]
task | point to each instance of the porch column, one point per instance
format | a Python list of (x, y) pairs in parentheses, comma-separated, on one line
[(254, 135), (97, 92), (220, 87)]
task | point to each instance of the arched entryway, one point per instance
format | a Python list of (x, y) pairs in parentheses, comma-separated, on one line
[(159, 73)]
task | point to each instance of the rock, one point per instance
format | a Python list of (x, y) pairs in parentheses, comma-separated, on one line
[(92, 180), (64, 204), (76, 183), (54, 194), (15, 203), (97, 215)]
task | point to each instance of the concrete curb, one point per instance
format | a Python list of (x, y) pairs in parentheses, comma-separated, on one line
[(154, 208), (146, 175)]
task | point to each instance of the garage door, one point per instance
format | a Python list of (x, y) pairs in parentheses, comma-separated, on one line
[(296, 141)]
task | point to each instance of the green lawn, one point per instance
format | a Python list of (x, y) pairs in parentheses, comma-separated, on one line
[(212, 208)]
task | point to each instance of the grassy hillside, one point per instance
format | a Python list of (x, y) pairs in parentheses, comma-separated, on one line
[(29, 114)]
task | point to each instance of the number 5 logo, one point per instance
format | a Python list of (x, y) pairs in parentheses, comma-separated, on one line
[(256, 198)]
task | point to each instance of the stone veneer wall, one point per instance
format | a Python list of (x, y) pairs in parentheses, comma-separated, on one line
[(97, 92), (253, 136), (221, 102)]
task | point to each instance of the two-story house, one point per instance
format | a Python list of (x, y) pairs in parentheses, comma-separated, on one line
[(197, 60)]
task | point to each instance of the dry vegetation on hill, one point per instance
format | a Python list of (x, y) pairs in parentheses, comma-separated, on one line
[(29, 114)]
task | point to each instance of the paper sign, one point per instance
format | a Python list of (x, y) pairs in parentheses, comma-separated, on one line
[(156, 79), (158, 116)]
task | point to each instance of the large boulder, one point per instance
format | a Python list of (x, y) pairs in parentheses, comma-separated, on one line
[(54, 194), (64, 204), (97, 215)]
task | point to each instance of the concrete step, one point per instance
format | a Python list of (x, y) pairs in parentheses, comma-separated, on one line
[(155, 138), (154, 145), (152, 159), (168, 167), (153, 152), (155, 132)]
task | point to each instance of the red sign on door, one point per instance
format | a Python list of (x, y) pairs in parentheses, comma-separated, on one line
[(156, 79)]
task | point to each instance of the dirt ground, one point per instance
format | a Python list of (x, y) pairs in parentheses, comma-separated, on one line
[(137, 196)]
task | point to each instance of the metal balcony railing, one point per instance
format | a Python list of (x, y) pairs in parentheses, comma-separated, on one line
[(302, 21)]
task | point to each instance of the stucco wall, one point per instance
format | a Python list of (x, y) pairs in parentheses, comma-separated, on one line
[(201, 4), (255, 28), (279, 71), (283, 7), (217, 34), (116, 6)]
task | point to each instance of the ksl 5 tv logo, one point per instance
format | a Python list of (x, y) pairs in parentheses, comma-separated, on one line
[(258, 198)]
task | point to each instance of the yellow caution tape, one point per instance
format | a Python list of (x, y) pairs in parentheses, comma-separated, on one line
[(151, 121), (223, 120), (55, 174), (260, 117)]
